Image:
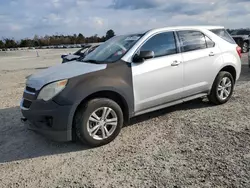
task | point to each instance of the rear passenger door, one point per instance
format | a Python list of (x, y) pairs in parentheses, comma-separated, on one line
[(200, 54)]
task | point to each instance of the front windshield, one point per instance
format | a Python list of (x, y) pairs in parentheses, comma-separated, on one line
[(113, 49)]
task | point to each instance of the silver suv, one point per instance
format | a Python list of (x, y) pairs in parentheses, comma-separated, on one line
[(129, 75)]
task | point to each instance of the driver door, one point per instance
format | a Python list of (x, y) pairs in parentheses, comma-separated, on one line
[(159, 80)]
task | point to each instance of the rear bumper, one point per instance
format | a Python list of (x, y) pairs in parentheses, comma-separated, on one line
[(49, 119)]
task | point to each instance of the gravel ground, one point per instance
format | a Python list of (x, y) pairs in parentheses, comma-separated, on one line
[(194, 144)]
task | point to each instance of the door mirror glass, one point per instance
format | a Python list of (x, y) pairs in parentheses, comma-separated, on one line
[(143, 55)]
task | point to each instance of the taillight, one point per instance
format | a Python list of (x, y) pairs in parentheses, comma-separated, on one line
[(238, 49)]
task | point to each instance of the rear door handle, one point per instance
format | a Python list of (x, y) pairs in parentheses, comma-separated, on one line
[(211, 54), (175, 63)]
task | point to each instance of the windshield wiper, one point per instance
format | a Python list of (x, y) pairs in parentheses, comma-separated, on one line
[(90, 60)]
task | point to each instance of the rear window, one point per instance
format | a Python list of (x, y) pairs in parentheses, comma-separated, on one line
[(222, 33)]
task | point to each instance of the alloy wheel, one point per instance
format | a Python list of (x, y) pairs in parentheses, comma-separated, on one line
[(224, 88), (245, 47), (102, 123)]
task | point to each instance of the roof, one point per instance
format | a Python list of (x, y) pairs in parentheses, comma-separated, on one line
[(188, 27), (175, 28)]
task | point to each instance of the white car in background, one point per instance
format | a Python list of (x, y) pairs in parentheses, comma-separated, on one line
[(80, 53)]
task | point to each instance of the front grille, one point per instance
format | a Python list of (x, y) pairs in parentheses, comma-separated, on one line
[(30, 89), (26, 103)]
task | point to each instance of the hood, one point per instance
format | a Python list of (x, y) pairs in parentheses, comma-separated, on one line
[(60, 72)]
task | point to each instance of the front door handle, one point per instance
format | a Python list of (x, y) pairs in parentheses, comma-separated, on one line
[(211, 54), (175, 63)]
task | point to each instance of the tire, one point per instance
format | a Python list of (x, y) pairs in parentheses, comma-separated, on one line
[(214, 95), (245, 47), (64, 61), (83, 122)]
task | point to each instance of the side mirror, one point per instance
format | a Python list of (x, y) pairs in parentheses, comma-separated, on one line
[(143, 55), (63, 56)]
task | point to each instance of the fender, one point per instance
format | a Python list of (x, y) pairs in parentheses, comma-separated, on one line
[(116, 78), (233, 60)]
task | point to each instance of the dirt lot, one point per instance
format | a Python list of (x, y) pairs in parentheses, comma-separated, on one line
[(190, 145)]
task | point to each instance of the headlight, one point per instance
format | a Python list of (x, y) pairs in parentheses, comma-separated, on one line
[(51, 90)]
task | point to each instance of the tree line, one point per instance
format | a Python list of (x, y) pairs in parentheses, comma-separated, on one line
[(54, 40)]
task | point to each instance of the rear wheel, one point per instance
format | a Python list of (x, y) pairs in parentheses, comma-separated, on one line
[(245, 47), (222, 88), (99, 122)]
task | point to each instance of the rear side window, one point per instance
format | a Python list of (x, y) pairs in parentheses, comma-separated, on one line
[(161, 44), (222, 33), (192, 40)]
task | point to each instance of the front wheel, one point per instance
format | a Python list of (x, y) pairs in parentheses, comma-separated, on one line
[(222, 88), (99, 122)]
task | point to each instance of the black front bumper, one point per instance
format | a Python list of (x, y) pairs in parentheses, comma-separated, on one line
[(49, 119)]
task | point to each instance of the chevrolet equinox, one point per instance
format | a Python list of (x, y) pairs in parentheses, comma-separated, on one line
[(127, 76)]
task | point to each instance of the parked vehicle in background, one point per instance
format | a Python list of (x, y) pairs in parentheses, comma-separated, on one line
[(249, 58), (130, 75), (242, 38), (80, 53)]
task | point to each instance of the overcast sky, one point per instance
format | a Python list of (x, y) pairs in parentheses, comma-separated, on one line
[(25, 18)]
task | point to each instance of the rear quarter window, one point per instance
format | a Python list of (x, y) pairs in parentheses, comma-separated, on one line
[(210, 43), (222, 33)]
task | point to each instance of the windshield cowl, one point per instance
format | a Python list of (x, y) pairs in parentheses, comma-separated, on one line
[(91, 61)]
